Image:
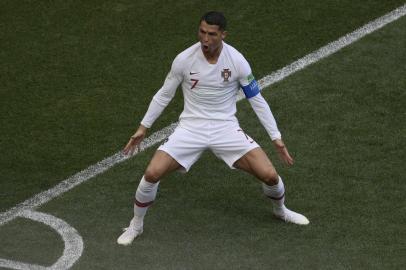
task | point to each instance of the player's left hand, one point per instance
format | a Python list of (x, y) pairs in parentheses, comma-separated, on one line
[(283, 151)]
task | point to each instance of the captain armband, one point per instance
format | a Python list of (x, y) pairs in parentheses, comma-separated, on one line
[(252, 89)]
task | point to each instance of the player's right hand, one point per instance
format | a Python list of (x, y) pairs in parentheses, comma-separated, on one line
[(135, 141)]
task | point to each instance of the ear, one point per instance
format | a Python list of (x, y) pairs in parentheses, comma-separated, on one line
[(223, 34)]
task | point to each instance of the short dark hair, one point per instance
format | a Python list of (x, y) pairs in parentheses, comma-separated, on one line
[(215, 18)]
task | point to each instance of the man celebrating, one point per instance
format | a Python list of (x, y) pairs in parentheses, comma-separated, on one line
[(210, 73)]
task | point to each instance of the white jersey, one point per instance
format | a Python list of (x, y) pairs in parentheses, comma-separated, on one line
[(210, 90)]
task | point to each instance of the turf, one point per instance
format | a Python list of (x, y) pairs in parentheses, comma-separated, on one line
[(29, 241), (77, 76), (341, 118)]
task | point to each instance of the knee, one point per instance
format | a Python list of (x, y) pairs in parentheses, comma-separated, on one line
[(152, 175), (270, 176)]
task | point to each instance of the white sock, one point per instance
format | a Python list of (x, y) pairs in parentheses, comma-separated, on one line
[(144, 197), (276, 193)]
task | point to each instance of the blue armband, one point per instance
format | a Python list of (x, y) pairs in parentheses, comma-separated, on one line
[(252, 89)]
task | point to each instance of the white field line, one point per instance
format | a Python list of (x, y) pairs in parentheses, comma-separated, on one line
[(82, 176), (155, 138), (73, 243), (20, 265)]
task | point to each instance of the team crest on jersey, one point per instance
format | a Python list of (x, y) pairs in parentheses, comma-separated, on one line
[(226, 74)]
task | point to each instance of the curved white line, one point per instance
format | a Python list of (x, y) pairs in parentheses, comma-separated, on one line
[(23, 209), (20, 265), (72, 240)]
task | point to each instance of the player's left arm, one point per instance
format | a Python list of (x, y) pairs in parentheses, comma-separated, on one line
[(263, 111)]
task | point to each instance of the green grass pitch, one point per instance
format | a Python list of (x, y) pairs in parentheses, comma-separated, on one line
[(77, 76)]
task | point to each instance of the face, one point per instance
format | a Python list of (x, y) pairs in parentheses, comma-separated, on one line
[(210, 37)]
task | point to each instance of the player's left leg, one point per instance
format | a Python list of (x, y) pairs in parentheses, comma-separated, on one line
[(257, 163)]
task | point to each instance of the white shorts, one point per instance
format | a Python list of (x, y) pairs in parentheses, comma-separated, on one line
[(224, 138)]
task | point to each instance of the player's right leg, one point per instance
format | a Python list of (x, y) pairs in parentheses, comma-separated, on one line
[(160, 165), (182, 149)]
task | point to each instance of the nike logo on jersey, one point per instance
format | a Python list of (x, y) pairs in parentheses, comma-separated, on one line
[(193, 73)]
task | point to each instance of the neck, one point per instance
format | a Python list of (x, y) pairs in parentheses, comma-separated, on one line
[(213, 56)]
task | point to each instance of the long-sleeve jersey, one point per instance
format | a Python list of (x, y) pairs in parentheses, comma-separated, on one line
[(210, 90)]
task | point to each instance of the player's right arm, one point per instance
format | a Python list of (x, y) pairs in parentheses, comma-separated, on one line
[(158, 103)]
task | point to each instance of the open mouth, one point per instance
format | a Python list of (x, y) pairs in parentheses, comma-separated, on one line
[(205, 47)]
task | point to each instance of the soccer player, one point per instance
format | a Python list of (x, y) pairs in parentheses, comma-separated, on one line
[(210, 73)]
